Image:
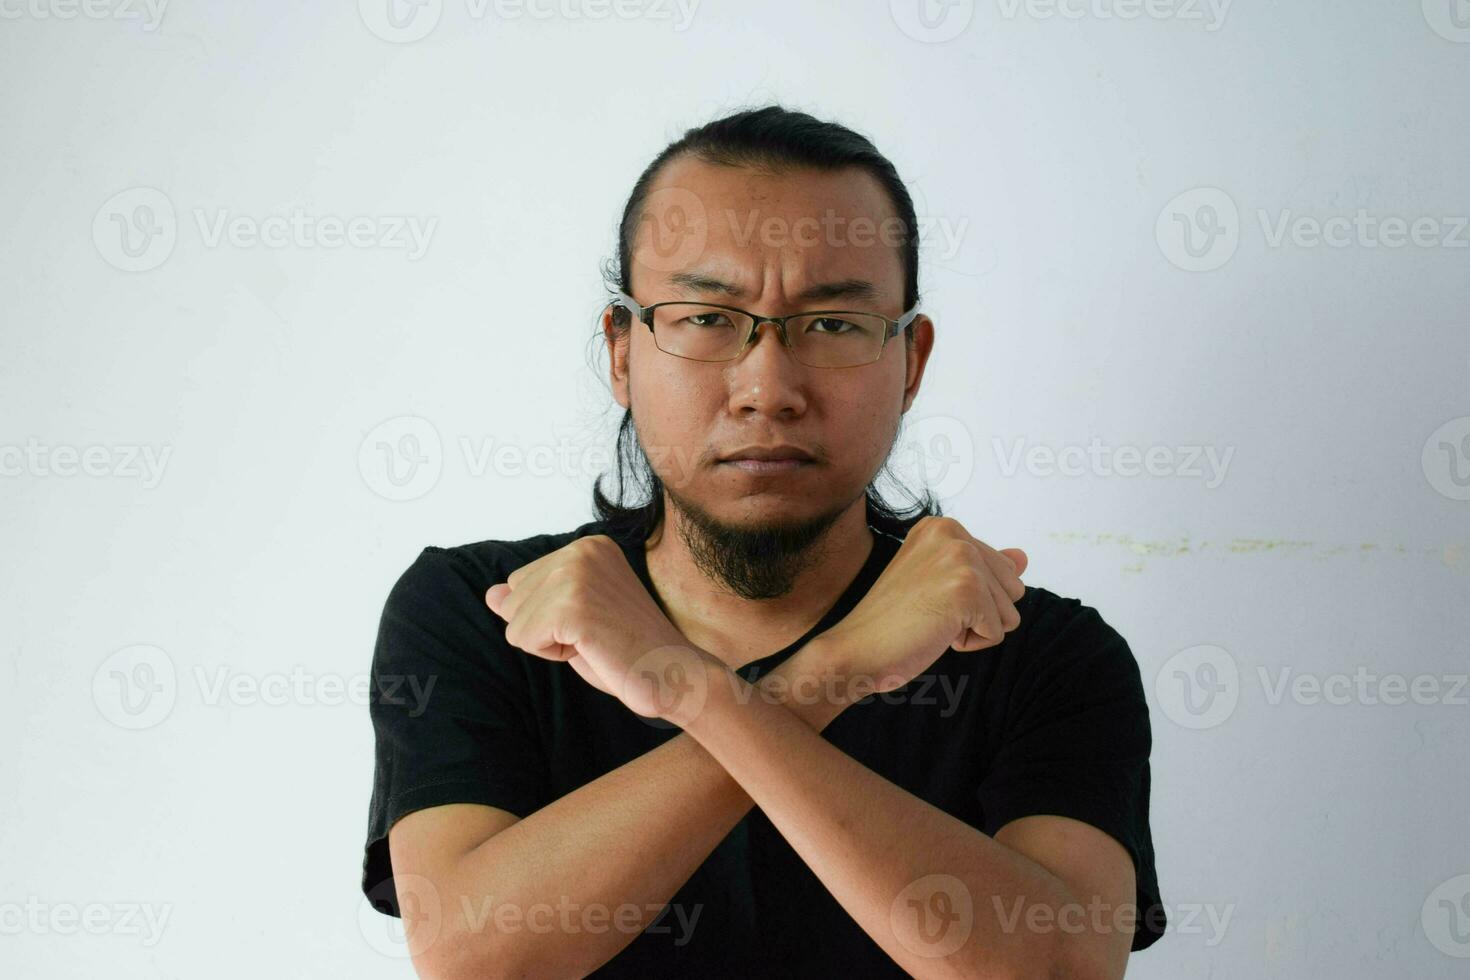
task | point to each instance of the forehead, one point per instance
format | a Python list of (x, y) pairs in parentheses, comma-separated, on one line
[(743, 225)]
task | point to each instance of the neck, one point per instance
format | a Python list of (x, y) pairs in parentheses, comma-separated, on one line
[(737, 629)]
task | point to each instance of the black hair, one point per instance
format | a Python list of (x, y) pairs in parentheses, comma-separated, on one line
[(769, 139)]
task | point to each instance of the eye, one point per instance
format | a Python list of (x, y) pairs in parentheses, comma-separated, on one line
[(709, 319), (838, 325)]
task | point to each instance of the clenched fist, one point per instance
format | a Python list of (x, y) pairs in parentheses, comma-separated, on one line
[(944, 588), (584, 604)]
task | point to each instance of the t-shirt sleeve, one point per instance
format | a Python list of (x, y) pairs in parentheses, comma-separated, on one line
[(1076, 742), (450, 707)]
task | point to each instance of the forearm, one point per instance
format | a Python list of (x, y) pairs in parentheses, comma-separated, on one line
[(615, 850), (927, 887)]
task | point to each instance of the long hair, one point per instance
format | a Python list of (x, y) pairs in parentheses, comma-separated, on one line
[(769, 138)]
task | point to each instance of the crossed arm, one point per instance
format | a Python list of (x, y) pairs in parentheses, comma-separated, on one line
[(940, 897)]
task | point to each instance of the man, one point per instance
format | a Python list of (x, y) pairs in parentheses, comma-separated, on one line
[(939, 771)]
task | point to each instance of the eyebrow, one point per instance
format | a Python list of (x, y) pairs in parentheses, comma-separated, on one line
[(818, 292)]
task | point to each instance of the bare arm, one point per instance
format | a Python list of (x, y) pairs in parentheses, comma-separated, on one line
[(616, 850), (940, 897)]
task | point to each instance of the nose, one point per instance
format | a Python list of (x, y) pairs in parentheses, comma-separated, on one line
[(766, 379)]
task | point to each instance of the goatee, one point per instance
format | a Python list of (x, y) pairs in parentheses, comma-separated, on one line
[(753, 561)]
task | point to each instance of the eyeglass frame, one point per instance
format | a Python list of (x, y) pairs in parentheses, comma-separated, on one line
[(645, 315)]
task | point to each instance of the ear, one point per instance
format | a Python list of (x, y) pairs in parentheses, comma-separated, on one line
[(619, 336), (916, 356)]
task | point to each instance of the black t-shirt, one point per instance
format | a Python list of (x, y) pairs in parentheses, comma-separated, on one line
[(1051, 721)]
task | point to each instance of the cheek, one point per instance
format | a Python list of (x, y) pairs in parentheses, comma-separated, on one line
[(866, 416), (673, 413)]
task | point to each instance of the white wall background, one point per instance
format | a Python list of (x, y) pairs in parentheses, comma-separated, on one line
[(1324, 832)]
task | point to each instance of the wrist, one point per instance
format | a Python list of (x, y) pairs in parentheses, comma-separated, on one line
[(813, 683)]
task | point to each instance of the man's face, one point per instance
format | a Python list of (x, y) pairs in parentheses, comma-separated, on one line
[(775, 241)]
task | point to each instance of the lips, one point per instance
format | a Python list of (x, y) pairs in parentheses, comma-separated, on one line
[(768, 454), (786, 465)]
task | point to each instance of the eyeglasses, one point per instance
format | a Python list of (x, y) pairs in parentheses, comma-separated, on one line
[(817, 338)]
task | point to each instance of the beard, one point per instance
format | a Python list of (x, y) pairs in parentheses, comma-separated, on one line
[(753, 561)]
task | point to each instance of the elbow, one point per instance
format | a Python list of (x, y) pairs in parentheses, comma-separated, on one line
[(457, 957), (1057, 957), (1072, 957)]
